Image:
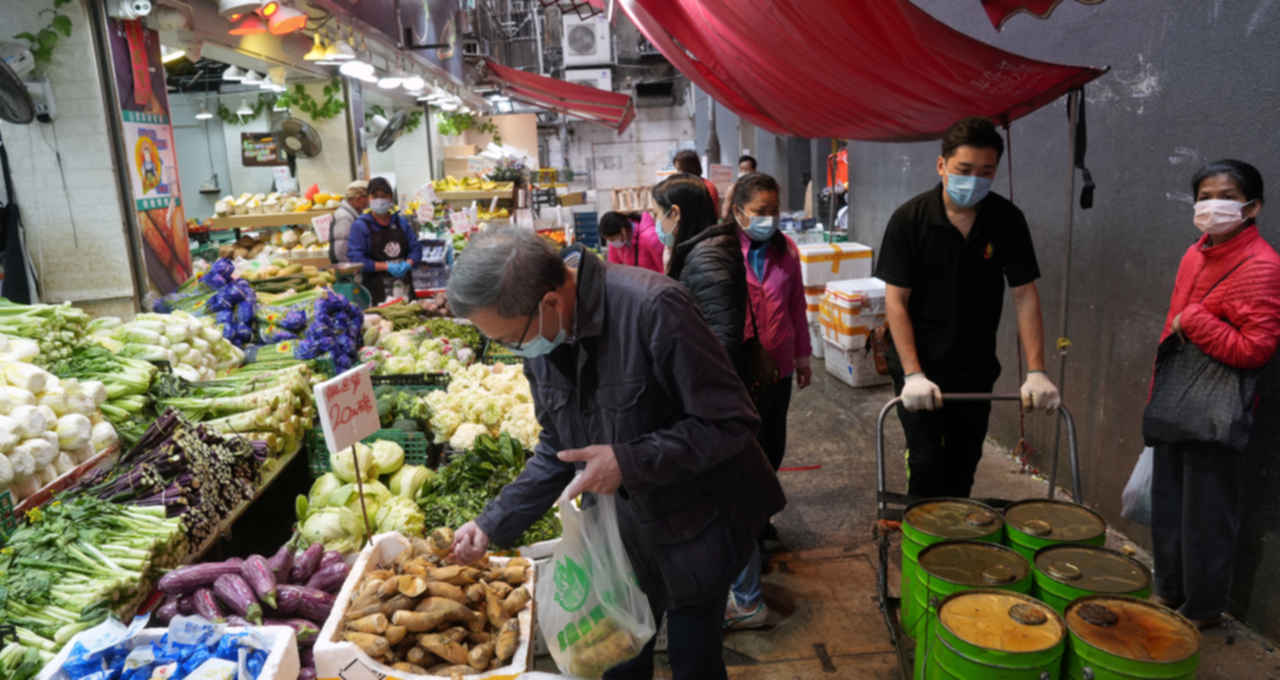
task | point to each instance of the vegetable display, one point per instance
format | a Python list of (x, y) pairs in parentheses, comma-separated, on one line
[(285, 316), (334, 332), (330, 513), (414, 351), (127, 381), (192, 649), (481, 399), (56, 329), (418, 613), (193, 346), (459, 490), (232, 303), (70, 565), (47, 426)]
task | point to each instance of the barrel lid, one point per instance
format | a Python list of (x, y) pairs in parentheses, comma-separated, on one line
[(1001, 620), (953, 518), (1093, 568), (1057, 520), (1133, 629), (974, 563)]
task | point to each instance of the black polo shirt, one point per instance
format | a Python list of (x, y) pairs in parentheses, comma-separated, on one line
[(957, 283)]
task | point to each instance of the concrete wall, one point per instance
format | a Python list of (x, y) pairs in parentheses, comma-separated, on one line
[(202, 151), (77, 222), (1191, 81)]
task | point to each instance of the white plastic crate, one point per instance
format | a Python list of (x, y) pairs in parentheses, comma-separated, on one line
[(821, 263)]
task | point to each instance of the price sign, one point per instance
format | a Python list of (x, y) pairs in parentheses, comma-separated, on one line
[(348, 408), (322, 225)]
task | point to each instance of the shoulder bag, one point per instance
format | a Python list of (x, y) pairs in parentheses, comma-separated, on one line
[(1196, 399), (762, 370)]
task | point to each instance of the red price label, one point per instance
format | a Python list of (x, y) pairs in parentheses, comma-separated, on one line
[(348, 409)]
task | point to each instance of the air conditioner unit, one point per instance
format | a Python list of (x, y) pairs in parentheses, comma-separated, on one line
[(599, 78), (586, 41), (478, 47)]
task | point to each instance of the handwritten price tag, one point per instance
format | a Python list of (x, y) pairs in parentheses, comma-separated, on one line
[(348, 409), (322, 225)]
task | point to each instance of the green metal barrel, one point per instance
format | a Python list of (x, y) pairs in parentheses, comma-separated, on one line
[(933, 521), (992, 635), (1035, 524), (1066, 573), (950, 567), (1123, 638)]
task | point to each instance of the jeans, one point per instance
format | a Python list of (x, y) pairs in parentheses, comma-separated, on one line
[(1195, 519), (747, 591)]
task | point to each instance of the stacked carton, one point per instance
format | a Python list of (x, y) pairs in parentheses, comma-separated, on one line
[(821, 263), (849, 312)]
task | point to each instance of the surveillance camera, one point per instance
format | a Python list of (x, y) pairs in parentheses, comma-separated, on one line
[(130, 9)]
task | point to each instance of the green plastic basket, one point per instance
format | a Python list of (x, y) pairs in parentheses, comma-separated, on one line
[(417, 450), (497, 354)]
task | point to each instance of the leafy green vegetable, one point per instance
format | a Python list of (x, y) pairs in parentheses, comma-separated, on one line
[(401, 514)]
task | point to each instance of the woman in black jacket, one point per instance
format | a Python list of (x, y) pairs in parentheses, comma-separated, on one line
[(706, 258)]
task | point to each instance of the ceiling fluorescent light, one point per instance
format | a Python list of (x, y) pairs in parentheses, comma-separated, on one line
[(203, 114), (251, 78), (413, 83), (339, 50)]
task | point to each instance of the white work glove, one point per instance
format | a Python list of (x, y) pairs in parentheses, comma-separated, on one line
[(1038, 392), (920, 394)]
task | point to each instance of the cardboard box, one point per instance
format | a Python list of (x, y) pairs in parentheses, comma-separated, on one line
[(282, 660), (850, 310), (461, 150), (821, 263), (345, 661), (463, 167), (854, 367)]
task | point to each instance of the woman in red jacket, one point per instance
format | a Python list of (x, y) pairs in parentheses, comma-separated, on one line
[(1195, 489)]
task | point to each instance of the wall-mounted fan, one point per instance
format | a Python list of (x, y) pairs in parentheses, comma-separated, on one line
[(16, 105), (392, 132), (297, 138)]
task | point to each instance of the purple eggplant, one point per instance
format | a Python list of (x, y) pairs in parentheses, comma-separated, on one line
[(305, 630), (187, 579), (258, 575), (306, 563), (281, 563), (306, 673), (166, 611), (329, 578), (331, 557), (307, 658), (187, 605), (309, 603), (206, 606), (232, 590)]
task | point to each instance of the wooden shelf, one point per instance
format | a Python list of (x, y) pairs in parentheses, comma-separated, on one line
[(250, 222), (473, 195)]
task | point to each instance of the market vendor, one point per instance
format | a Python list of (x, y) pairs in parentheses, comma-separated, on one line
[(635, 393), (946, 257), (384, 243), (353, 205), (632, 239)]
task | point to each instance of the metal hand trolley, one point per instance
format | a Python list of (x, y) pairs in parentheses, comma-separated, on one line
[(891, 508)]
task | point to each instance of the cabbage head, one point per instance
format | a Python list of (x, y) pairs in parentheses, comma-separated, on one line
[(402, 515), (344, 468), (337, 528), (348, 496), (409, 480), (387, 456), (321, 488)]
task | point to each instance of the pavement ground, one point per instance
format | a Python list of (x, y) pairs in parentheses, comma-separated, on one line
[(821, 589)]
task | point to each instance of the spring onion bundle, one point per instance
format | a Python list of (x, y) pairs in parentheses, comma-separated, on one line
[(57, 329), (274, 407)]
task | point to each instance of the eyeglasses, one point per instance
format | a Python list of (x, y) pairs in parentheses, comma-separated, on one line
[(515, 347)]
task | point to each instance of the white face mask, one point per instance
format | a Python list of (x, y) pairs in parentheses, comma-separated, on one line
[(1216, 216)]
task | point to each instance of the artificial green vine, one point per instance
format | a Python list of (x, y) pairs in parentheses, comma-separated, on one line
[(230, 117), (46, 39), (458, 123), (332, 105), (412, 121)]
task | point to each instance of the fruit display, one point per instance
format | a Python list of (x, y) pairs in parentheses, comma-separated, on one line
[(451, 183), (272, 204)]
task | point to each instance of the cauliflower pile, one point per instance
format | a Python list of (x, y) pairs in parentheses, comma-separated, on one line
[(484, 399), (412, 351)]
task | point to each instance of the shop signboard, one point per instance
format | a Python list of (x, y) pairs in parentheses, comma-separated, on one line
[(258, 149), (151, 157)]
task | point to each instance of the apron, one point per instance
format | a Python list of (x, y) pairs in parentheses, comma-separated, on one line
[(387, 244)]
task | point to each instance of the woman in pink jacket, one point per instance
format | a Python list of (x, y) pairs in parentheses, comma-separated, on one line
[(633, 240), (776, 315)]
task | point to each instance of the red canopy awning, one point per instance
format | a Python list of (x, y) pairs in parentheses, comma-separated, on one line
[(999, 11), (876, 70), (608, 108)]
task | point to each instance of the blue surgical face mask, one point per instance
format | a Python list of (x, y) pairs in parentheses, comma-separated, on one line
[(967, 190), (539, 345), (380, 206), (668, 238), (762, 228)]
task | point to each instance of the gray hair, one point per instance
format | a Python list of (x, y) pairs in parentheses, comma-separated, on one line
[(509, 269)]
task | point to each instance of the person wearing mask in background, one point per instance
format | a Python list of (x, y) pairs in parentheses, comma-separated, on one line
[(687, 162), (1226, 301), (746, 164), (776, 317), (945, 259), (353, 205), (632, 239), (705, 257), (384, 243), (637, 397)]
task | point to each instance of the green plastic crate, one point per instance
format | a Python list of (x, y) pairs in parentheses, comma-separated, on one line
[(417, 450)]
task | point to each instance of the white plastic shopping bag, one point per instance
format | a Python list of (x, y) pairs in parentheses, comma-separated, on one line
[(1135, 501), (591, 610)]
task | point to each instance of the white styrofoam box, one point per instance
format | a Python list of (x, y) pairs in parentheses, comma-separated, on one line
[(850, 310), (813, 301), (344, 661), (854, 367), (281, 664), (815, 339), (821, 263)]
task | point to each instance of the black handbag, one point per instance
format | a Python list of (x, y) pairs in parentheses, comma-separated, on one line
[(1196, 399), (762, 370)]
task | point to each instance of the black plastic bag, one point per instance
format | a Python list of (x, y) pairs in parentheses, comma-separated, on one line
[(1197, 399)]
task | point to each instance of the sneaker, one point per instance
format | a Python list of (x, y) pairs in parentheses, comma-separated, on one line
[(741, 618)]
